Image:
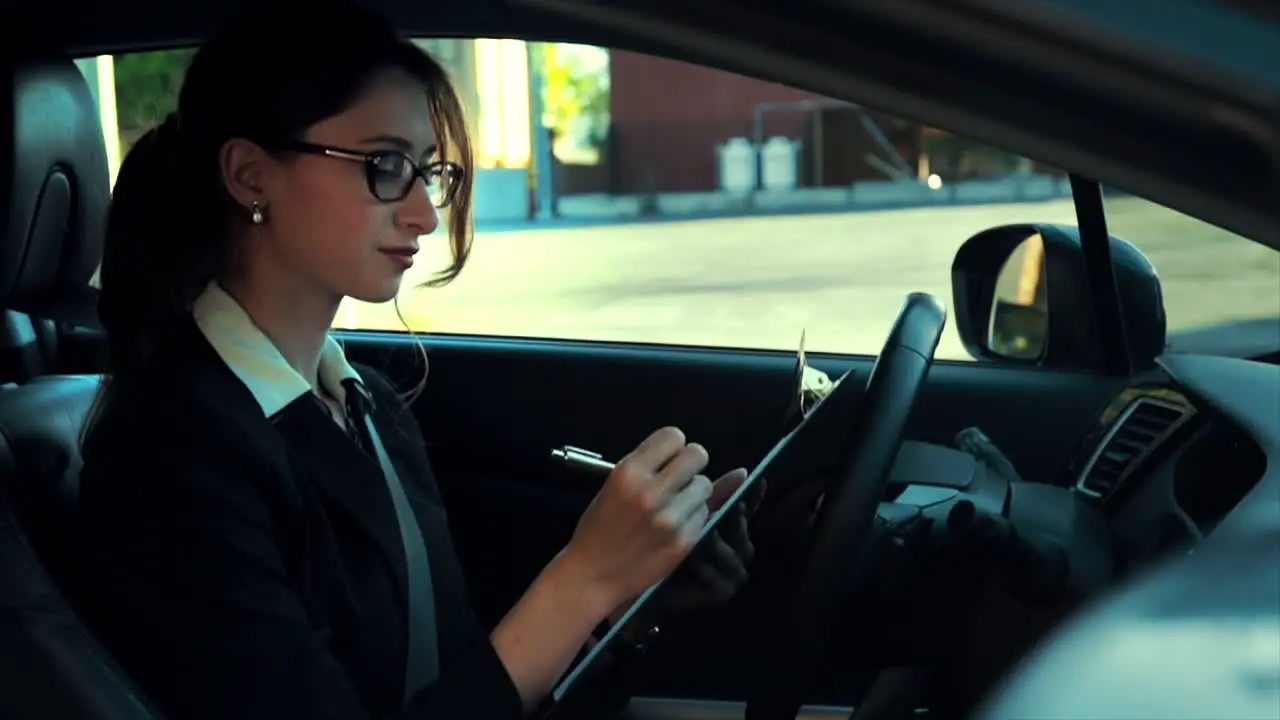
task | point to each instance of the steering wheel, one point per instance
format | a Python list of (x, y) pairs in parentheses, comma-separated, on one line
[(830, 578)]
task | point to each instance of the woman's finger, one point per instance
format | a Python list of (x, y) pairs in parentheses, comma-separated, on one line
[(754, 496), (676, 475), (735, 532), (725, 487), (731, 527), (711, 580), (656, 450), (726, 560), (686, 511)]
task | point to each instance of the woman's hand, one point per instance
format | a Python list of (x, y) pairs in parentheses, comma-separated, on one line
[(644, 521), (640, 527), (718, 567), (642, 524)]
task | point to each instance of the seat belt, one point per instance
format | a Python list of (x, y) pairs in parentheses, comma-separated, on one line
[(422, 658)]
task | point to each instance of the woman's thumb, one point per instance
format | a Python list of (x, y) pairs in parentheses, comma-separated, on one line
[(725, 487)]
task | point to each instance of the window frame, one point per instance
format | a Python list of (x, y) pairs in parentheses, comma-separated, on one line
[(1086, 198)]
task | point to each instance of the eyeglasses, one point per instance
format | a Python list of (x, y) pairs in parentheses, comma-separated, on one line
[(391, 174)]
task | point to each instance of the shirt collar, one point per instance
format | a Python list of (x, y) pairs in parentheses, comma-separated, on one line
[(255, 359)]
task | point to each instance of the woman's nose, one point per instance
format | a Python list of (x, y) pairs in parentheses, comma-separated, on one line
[(418, 213)]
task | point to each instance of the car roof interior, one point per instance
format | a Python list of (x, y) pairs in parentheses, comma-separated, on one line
[(980, 77)]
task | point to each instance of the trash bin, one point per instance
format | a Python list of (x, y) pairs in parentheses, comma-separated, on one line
[(779, 159), (737, 165)]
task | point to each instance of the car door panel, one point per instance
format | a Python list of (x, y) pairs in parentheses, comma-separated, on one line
[(492, 409)]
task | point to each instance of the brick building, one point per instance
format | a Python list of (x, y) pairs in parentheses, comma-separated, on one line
[(668, 117)]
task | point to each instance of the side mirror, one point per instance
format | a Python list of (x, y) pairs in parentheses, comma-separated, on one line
[(1023, 296), (1019, 327)]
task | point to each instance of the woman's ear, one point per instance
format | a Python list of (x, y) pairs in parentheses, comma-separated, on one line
[(246, 170)]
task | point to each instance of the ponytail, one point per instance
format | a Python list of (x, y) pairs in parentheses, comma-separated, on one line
[(156, 250), (163, 243)]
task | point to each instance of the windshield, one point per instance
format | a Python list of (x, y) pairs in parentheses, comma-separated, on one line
[(1212, 279)]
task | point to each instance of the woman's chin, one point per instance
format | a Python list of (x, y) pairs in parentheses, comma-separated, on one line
[(379, 293)]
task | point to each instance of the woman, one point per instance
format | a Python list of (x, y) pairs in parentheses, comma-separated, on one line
[(259, 519)]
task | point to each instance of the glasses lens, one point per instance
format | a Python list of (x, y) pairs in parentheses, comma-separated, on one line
[(442, 182), (390, 175)]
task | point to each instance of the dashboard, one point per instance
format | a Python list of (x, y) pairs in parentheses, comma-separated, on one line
[(1191, 630), (1166, 523), (1166, 470), (1158, 473)]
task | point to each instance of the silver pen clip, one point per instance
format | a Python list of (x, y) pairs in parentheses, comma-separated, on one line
[(581, 459)]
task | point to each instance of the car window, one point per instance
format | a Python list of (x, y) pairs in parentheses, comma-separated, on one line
[(1211, 279), (677, 204)]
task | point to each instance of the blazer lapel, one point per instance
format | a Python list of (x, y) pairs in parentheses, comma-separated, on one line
[(318, 451), (347, 475)]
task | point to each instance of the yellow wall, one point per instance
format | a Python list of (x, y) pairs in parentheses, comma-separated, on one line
[(492, 78), (502, 86)]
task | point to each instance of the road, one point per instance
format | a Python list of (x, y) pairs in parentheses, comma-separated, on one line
[(759, 281)]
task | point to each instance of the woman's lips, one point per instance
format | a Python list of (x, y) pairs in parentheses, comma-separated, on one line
[(402, 257)]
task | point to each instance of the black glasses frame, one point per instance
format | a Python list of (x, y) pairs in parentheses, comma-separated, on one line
[(448, 173)]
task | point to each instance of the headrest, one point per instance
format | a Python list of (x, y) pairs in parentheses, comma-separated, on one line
[(53, 178)]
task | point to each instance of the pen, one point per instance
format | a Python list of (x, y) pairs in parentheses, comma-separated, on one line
[(583, 460)]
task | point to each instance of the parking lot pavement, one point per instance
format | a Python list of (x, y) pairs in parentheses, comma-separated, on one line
[(759, 281)]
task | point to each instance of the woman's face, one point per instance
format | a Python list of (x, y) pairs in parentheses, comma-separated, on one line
[(323, 223)]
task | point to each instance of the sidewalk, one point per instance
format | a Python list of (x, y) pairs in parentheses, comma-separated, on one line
[(603, 209)]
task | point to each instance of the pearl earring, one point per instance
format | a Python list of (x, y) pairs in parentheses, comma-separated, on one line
[(258, 217)]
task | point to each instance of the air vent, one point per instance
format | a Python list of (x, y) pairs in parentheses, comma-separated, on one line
[(1143, 425)]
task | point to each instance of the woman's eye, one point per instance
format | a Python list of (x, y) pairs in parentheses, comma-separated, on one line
[(391, 165)]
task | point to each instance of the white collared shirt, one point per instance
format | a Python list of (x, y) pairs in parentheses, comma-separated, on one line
[(255, 359)]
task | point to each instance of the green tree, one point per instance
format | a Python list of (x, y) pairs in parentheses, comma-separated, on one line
[(573, 94), (147, 85)]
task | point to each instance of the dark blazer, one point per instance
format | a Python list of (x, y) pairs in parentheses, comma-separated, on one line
[(250, 567)]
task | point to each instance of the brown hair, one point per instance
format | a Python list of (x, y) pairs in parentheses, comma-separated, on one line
[(266, 77)]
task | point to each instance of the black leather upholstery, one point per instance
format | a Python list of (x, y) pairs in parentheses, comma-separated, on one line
[(40, 462), (50, 665), (53, 179), (28, 347), (54, 186)]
